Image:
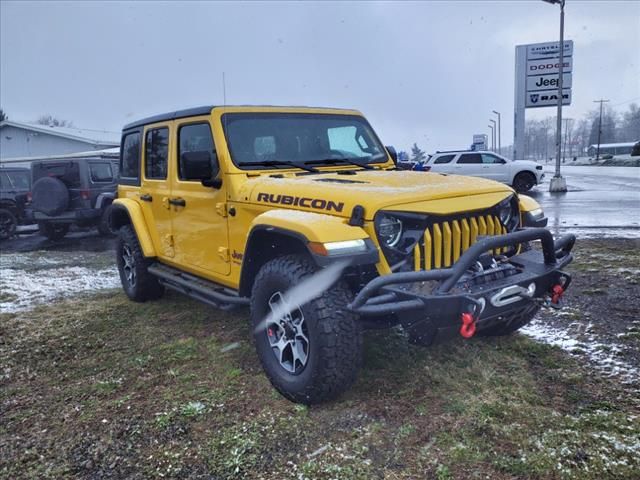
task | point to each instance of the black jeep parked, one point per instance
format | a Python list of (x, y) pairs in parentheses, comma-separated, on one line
[(14, 187), (73, 191)]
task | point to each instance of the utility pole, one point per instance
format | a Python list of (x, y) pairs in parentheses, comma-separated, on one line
[(601, 101)]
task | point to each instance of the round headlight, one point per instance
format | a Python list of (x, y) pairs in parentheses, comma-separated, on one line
[(389, 230), (506, 214)]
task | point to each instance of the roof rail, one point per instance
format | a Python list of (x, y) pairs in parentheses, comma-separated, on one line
[(452, 151)]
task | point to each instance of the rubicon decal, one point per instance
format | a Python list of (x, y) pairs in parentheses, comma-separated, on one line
[(305, 202)]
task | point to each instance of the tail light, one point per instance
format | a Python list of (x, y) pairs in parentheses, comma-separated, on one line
[(427, 168), (29, 197), (84, 194)]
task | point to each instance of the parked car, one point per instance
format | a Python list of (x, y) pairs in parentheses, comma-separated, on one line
[(522, 175), (76, 191), (261, 206), (14, 187)]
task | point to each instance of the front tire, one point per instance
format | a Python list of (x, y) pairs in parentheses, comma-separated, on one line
[(510, 325), (524, 181), (54, 231), (137, 282), (8, 224), (312, 354)]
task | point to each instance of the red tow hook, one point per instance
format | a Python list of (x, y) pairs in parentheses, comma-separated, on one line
[(556, 294), (468, 328)]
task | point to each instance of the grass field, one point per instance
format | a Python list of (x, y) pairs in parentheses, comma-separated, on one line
[(99, 387)]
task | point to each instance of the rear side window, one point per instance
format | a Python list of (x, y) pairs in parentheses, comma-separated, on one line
[(156, 157), (491, 159), (195, 138), (14, 180), (470, 158), (444, 159), (130, 158), (101, 172)]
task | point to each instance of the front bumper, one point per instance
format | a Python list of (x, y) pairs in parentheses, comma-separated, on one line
[(431, 302)]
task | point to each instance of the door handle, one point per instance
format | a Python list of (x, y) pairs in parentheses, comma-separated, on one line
[(146, 198), (485, 166), (177, 202)]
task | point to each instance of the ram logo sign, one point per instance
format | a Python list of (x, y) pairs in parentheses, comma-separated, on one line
[(548, 98)]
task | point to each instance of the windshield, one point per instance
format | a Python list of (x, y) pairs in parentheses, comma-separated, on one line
[(256, 138), (14, 180)]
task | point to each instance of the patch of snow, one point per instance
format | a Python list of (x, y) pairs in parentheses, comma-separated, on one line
[(26, 281), (578, 340)]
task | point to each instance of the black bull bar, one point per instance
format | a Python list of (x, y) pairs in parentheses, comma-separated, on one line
[(457, 290)]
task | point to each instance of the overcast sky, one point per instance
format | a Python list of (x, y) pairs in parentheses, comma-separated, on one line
[(429, 72)]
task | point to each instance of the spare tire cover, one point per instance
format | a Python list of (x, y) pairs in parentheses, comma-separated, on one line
[(50, 196)]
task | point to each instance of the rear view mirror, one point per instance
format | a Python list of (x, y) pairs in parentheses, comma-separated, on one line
[(199, 165), (392, 153)]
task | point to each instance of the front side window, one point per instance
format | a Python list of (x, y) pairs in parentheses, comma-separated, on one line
[(470, 158), (130, 159), (195, 138), (156, 156), (258, 138), (101, 172), (489, 159), (444, 159)]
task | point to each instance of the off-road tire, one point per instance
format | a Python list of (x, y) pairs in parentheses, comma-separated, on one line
[(8, 224), (54, 231), (514, 323), (524, 181), (104, 226), (335, 337), (145, 286)]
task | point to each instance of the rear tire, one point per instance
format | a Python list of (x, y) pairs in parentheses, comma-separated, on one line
[(54, 231), (524, 181), (104, 227), (8, 224), (312, 354), (137, 282), (509, 326)]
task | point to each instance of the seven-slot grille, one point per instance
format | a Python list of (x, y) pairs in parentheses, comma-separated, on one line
[(444, 241)]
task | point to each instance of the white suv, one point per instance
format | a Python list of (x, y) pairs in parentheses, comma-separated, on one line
[(522, 175)]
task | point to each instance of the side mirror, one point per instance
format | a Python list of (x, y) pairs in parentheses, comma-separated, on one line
[(392, 153), (199, 165)]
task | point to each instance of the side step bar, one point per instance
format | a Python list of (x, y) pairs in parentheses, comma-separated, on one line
[(197, 288)]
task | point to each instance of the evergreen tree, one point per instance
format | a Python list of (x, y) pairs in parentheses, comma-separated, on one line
[(417, 155)]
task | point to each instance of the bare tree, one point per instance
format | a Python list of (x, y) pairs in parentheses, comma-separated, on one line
[(3, 116), (52, 121)]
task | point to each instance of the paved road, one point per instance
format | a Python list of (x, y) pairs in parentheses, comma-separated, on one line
[(601, 201)]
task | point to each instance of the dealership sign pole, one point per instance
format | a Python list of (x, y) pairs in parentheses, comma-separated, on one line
[(559, 184)]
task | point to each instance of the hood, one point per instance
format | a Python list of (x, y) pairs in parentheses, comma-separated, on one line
[(337, 194)]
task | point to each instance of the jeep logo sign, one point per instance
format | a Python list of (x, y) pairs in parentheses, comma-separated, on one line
[(547, 82)]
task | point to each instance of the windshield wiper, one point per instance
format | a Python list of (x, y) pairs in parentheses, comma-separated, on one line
[(277, 163), (334, 161)]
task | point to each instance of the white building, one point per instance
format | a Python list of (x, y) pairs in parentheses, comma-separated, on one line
[(24, 140)]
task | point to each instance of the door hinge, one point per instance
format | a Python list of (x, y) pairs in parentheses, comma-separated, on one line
[(223, 253), (221, 208)]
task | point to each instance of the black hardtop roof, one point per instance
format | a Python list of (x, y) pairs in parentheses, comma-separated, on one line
[(189, 112), (192, 112)]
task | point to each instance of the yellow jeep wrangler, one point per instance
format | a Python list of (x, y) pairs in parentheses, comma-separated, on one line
[(236, 206)]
